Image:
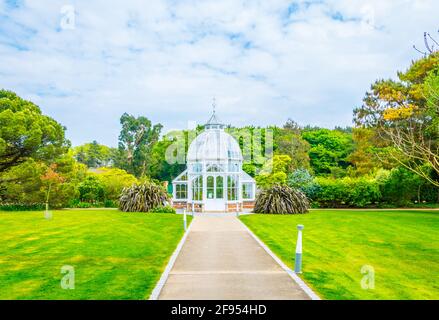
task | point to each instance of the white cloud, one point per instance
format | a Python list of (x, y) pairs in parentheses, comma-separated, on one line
[(265, 61)]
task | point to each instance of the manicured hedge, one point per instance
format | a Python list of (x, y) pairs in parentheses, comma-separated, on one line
[(22, 207), (346, 192), (395, 188)]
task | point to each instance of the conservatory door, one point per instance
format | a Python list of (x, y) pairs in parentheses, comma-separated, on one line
[(214, 194)]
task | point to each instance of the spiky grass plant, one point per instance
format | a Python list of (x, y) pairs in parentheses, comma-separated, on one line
[(143, 197), (281, 200)]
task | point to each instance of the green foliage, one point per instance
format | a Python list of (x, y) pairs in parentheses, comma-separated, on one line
[(91, 189), (113, 180), (24, 183), (136, 140), (164, 166), (288, 141), (281, 200), (80, 204), (400, 187), (256, 146), (274, 171), (163, 209), (94, 155), (143, 197), (346, 192), (299, 178), (76, 203), (26, 133), (329, 149), (22, 207), (404, 115)]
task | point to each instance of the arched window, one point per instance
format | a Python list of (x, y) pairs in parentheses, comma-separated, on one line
[(197, 188), (232, 188), (219, 187), (210, 187)]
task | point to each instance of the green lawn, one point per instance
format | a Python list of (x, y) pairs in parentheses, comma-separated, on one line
[(115, 255), (401, 246)]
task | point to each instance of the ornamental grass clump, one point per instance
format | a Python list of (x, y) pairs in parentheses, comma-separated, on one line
[(143, 198), (281, 199)]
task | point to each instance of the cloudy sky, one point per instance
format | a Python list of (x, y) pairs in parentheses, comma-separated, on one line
[(86, 62)]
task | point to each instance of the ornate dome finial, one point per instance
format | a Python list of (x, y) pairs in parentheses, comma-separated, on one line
[(214, 105), (214, 122)]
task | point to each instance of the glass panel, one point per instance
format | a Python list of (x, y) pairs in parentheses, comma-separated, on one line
[(197, 188), (219, 187), (181, 191), (215, 168), (233, 167), (197, 167), (232, 188), (247, 191), (210, 187)]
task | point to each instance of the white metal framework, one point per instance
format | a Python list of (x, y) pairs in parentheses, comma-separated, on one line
[(214, 179)]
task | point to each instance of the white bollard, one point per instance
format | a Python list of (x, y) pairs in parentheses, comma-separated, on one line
[(184, 219), (298, 261)]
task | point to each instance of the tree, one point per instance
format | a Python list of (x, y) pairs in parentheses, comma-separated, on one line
[(367, 157), (161, 168), (430, 43), (405, 116), (275, 171), (136, 141), (113, 180), (26, 133), (27, 183), (94, 155), (288, 141), (329, 149), (50, 178), (300, 179), (91, 190)]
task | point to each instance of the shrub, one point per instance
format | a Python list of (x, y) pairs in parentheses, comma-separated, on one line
[(163, 209), (274, 172), (91, 190), (401, 187), (110, 204), (143, 198), (113, 180), (84, 205), (346, 192), (22, 207), (281, 200)]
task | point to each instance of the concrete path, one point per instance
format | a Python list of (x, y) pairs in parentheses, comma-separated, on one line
[(221, 260)]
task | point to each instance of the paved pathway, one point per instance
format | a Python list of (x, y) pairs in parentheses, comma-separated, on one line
[(221, 260)]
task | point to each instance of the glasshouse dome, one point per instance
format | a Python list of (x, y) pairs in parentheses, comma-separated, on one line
[(214, 180), (214, 145)]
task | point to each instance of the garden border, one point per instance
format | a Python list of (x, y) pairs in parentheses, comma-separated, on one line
[(164, 277), (290, 272)]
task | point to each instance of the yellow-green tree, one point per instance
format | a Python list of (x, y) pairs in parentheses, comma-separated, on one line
[(404, 115)]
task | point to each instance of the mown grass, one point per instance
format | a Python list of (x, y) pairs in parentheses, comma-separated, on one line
[(401, 246), (115, 255)]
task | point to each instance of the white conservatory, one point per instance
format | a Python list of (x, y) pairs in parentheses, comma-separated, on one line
[(214, 180)]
